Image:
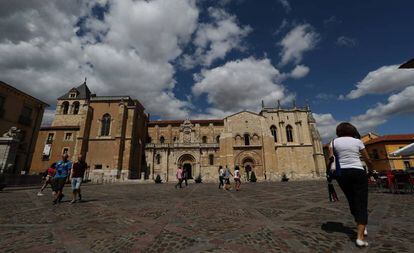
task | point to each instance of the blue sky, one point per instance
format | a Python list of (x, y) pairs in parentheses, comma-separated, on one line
[(207, 59)]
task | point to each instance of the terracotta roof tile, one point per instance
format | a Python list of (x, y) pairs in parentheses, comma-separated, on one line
[(390, 138)]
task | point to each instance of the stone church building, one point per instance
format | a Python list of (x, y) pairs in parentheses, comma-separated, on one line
[(119, 141), (271, 143)]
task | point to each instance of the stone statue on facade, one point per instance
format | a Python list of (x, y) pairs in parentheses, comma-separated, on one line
[(13, 132)]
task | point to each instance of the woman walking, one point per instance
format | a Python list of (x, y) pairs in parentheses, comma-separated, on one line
[(237, 181), (351, 175)]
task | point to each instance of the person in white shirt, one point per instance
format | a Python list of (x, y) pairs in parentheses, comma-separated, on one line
[(221, 177), (351, 175), (237, 181)]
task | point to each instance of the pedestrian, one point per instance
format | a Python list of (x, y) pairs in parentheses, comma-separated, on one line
[(179, 176), (48, 178), (63, 169), (77, 175), (185, 176), (221, 177), (227, 174), (351, 175), (237, 181)]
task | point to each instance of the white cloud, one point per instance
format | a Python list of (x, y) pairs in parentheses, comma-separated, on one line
[(285, 4), (241, 84), (41, 54), (214, 40), (397, 104), (48, 116), (344, 41), (299, 40), (299, 71), (383, 80), (326, 124)]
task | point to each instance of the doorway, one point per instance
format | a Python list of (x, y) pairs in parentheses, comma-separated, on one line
[(187, 167)]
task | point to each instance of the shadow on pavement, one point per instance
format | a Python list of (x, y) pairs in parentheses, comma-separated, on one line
[(332, 227)]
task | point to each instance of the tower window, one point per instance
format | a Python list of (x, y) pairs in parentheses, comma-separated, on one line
[(106, 125), (162, 139), (273, 130), (289, 133), (75, 106), (65, 107), (204, 139)]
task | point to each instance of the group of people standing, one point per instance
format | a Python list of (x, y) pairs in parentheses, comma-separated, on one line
[(61, 172), (224, 178)]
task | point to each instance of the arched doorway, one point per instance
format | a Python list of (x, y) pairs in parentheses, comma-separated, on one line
[(187, 162), (248, 164)]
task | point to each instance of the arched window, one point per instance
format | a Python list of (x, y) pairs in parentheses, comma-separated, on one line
[(218, 139), (75, 107), (246, 139), (211, 159), (204, 139), (65, 107), (158, 158), (162, 139), (289, 133), (175, 139), (106, 125), (273, 130)]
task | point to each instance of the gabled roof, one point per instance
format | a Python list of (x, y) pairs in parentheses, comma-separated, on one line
[(392, 138), (83, 92), (244, 111)]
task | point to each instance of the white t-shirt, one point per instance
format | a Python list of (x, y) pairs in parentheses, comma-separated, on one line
[(348, 152), (236, 174)]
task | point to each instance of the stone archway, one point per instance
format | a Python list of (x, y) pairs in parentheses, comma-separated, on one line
[(250, 160), (187, 161)]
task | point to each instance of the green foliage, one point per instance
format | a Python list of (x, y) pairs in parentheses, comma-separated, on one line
[(198, 179), (253, 177), (158, 180)]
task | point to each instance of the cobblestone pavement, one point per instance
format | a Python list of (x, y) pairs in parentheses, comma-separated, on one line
[(262, 217)]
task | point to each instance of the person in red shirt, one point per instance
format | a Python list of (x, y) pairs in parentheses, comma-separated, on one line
[(48, 178)]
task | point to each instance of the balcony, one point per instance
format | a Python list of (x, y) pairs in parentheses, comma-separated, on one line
[(25, 120)]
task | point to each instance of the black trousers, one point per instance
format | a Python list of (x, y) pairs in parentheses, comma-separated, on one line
[(221, 184), (180, 181), (354, 184)]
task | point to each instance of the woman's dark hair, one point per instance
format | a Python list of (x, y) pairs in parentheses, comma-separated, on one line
[(220, 167), (346, 129), (236, 168), (53, 165)]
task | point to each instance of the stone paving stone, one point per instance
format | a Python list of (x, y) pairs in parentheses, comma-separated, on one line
[(263, 217)]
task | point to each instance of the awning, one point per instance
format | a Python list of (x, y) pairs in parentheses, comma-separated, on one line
[(405, 151)]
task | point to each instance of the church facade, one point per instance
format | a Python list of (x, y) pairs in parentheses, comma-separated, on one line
[(120, 143), (271, 143)]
